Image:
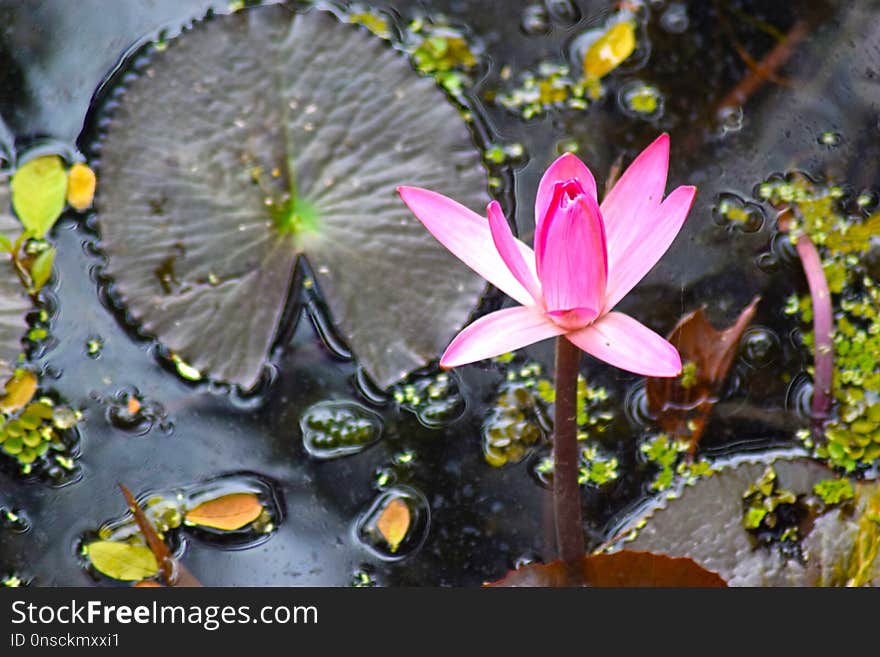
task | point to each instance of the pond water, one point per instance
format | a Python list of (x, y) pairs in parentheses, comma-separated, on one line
[(471, 520)]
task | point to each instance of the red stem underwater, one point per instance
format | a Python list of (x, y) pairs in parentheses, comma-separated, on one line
[(823, 327)]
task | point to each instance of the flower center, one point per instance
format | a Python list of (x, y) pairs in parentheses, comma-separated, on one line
[(573, 318)]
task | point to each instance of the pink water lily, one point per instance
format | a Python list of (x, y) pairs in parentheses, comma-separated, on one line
[(586, 258)]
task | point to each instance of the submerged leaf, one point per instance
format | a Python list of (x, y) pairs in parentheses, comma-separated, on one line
[(713, 522), (81, 184), (625, 568), (39, 191), (309, 137), (682, 405), (123, 561), (394, 522), (229, 512)]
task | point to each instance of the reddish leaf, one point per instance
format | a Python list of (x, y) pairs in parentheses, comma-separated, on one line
[(625, 568), (682, 405), (173, 572)]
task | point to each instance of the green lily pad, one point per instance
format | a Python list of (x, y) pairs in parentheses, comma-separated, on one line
[(14, 302), (264, 135), (708, 522)]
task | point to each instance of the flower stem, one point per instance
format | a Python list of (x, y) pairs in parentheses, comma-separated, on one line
[(566, 493), (823, 318)]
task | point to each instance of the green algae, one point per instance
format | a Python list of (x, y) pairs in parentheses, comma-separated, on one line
[(834, 491), (670, 457)]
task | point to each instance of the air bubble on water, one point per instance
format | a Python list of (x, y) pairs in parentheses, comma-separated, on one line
[(94, 345), (799, 396), (735, 213), (331, 429), (675, 19), (759, 346), (730, 118), (635, 406), (562, 11), (535, 19), (370, 536)]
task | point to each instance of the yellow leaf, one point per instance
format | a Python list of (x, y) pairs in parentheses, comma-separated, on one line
[(393, 523), (20, 389), (610, 50), (229, 512), (122, 561), (39, 188), (81, 183)]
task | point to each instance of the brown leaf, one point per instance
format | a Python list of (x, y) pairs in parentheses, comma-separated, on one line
[(394, 522), (173, 572), (20, 389), (228, 512), (682, 405), (625, 568)]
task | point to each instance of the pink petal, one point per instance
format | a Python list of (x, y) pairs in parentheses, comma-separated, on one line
[(511, 251), (658, 230), (635, 197), (625, 343), (466, 234), (499, 332), (566, 167), (570, 253)]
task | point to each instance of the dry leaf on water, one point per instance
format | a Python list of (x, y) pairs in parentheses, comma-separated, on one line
[(394, 522), (682, 405), (229, 512), (20, 389)]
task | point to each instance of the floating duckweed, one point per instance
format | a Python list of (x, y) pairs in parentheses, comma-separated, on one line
[(373, 21), (829, 138), (185, 370), (11, 580), (852, 437), (640, 100), (772, 515), (363, 577), (498, 155), (441, 51), (595, 468), (611, 47), (551, 87), (94, 346), (435, 399), (665, 453), (521, 416), (734, 213), (331, 429), (834, 491), (13, 520), (30, 436)]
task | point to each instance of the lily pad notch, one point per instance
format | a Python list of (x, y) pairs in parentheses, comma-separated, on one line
[(263, 136)]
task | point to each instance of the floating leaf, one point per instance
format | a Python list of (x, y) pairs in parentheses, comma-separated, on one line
[(625, 568), (14, 301), (214, 180), (610, 50), (229, 512), (41, 268), (39, 191), (81, 183), (174, 573), (682, 405), (393, 523), (123, 561), (815, 544), (19, 391)]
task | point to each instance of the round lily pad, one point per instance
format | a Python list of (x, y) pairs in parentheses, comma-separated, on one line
[(14, 302), (268, 134)]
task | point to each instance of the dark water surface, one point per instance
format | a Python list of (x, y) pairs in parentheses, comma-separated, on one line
[(55, 54)]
